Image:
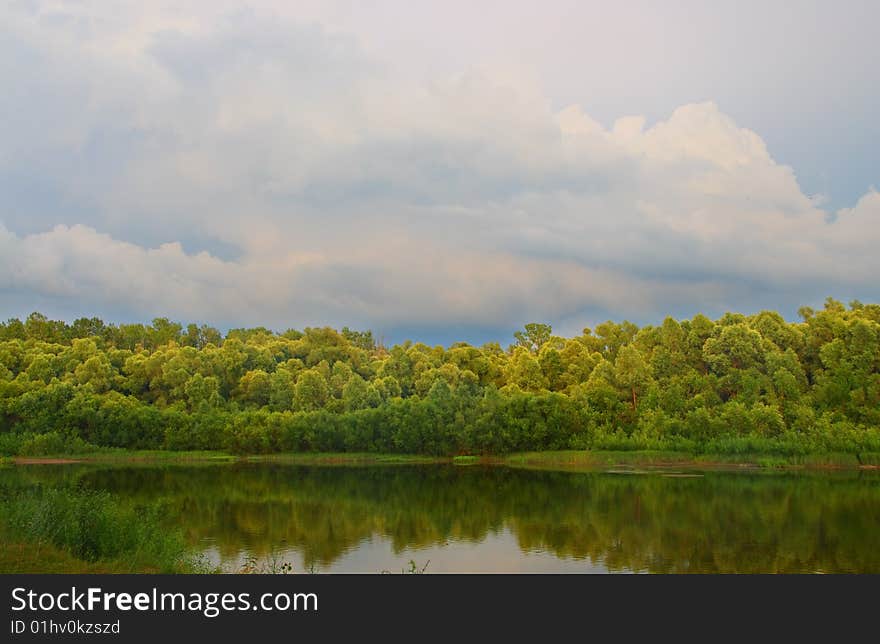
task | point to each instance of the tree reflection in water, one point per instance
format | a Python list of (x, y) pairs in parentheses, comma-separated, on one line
[(718, 522)]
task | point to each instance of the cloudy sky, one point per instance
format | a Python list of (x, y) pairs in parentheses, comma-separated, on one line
[(436, 170)]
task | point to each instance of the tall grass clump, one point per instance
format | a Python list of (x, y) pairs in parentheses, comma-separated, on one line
[(92, 526)]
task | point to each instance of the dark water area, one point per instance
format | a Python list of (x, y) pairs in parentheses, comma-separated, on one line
[(500, 519)]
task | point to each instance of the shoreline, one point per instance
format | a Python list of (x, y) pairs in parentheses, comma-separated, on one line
[(570, 460)]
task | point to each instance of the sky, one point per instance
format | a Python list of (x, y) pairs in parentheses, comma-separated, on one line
[(436, 171)]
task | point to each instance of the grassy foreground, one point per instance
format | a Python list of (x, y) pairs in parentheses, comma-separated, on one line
[(567, 459), (74, 529), (47, 559)]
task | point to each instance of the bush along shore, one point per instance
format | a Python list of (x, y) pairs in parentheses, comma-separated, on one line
[(746, 387)]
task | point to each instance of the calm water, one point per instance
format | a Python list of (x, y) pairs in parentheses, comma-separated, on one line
[(496, 519)]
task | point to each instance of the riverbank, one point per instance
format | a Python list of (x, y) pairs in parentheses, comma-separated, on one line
[(569, 459), (661, 459), (189, 457)]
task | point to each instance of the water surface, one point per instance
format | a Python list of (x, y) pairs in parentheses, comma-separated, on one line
[(499, 519)]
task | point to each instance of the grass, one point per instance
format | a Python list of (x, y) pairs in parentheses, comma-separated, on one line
[(112, 455), (295, 458), (79, 528), (595, 459), (870, 459), (587, 459), (45, 558), (164, 455), (344, 458), (554, 459)]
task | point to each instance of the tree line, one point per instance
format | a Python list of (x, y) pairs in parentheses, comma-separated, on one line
[(741, 383)]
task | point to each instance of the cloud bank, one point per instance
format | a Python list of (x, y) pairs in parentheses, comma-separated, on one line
[(249, 168)]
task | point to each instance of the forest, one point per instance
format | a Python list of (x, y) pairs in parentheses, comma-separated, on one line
[(738, 384)]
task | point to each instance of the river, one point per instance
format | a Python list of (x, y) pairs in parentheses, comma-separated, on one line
[(447, 518)]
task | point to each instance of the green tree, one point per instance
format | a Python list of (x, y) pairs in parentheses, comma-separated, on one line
[(202, 392), (632, 372), (255, 387), (534, 336), (311, 391)]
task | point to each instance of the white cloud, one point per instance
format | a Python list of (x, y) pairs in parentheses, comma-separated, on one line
[(355, 196)]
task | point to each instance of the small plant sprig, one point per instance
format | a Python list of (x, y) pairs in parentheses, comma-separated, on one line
[(413, 568), (274, 564)]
